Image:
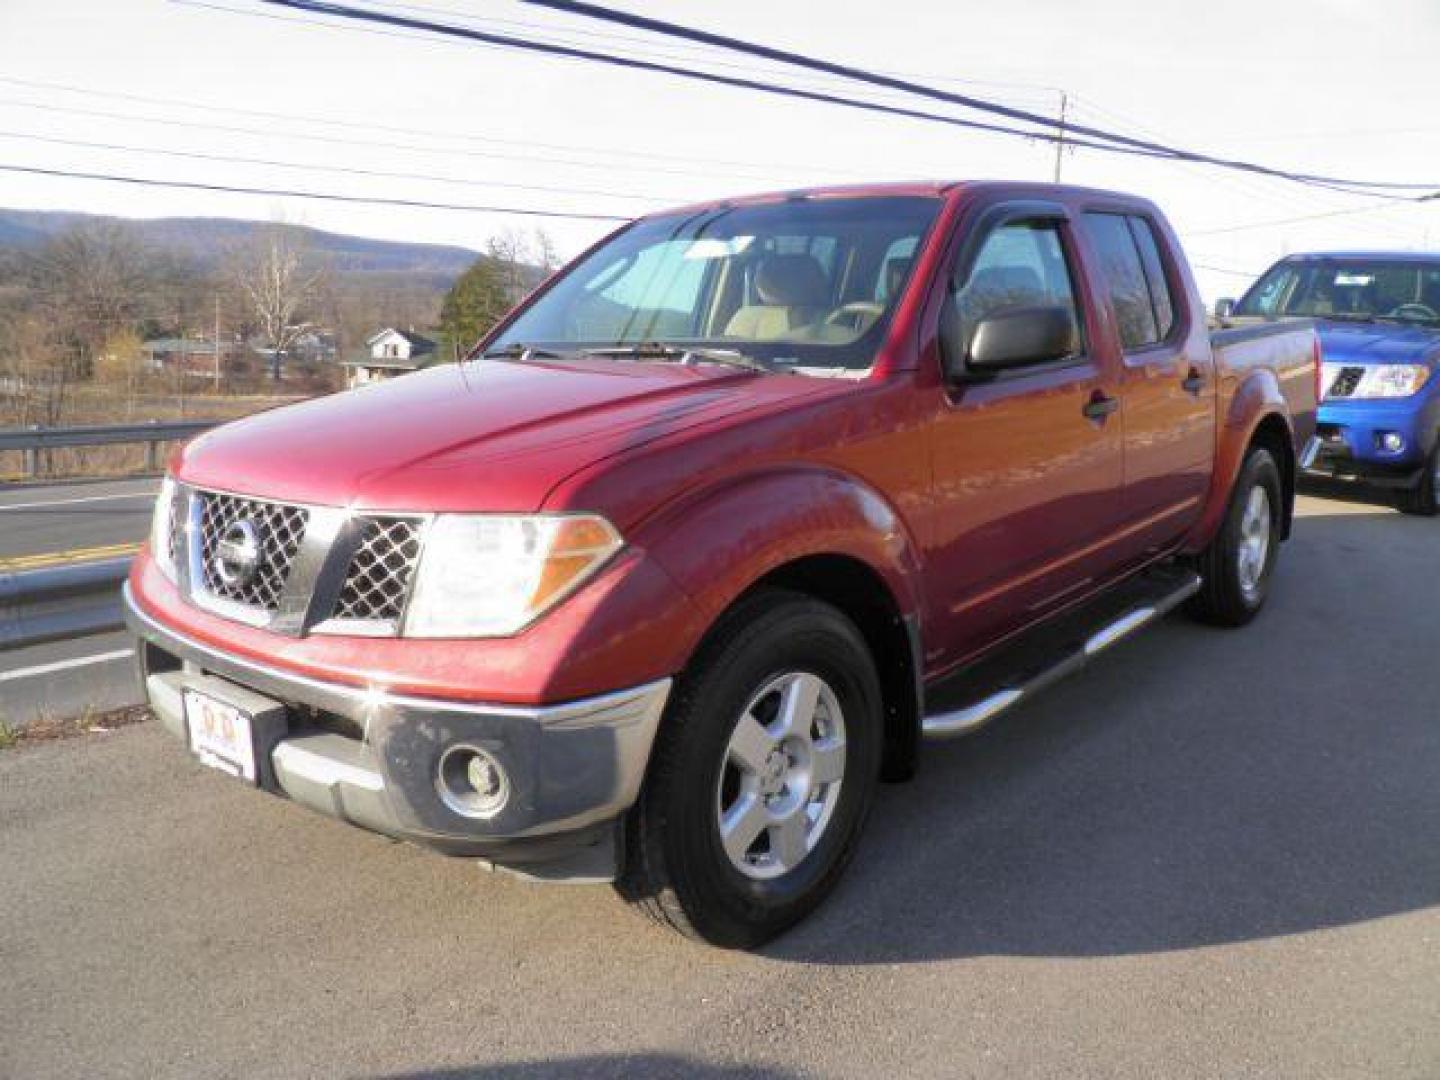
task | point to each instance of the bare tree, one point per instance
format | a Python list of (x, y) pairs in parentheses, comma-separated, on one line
[(544, 256), (513, 258), (37, 371), (279, 281), (91, 282)]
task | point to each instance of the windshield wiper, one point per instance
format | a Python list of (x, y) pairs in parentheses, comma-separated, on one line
[(685, 354), (518, 350), (1344, 316)]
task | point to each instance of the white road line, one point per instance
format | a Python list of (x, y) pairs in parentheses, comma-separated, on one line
[(65, 665), (86, 499)]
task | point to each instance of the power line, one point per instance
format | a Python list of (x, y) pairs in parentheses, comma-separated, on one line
[(317, 195), (449, 136), (345, 170), (1295, 220), (447, 151), (668, 29), (1252, 275), (568, 52)]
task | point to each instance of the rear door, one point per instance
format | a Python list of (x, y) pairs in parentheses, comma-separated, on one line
[(1027, 471), (1167, 377)]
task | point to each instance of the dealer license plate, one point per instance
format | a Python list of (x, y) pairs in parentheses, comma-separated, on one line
[(220, 735)]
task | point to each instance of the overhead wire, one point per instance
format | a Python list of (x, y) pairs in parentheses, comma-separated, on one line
[(301, 194)]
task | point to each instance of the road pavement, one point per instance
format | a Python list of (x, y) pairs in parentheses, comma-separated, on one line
[(45, 525), (65, 679), (1210, 854), (82, 517)]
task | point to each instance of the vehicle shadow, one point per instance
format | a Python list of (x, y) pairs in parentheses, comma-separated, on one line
[(1195, 787), (1348, 492), (602, 1065)]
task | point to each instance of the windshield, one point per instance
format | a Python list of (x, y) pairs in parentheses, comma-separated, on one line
[(1349, 289), (801, 284)]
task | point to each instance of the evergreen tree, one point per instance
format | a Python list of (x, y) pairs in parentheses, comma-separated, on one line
[(474, 304)]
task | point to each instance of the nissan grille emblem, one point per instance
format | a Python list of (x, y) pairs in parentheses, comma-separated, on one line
[(237, 555)]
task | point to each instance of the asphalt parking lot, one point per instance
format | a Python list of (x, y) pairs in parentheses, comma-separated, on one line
[(1212, 854)]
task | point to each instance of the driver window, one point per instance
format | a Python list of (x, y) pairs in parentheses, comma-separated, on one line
[(1021, 264)]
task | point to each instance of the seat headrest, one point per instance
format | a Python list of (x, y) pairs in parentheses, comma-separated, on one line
[(895, 271), (791, 281)]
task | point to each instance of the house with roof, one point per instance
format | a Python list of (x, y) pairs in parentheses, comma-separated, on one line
[(187, 355), (389, 353)]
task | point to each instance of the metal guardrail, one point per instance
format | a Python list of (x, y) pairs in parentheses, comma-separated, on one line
[(39, 606), (33, 441)]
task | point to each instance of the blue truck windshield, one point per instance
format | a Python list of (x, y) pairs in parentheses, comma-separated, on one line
[(1362, 290)]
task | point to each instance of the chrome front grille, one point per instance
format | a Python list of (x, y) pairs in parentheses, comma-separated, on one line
[(295, 569), (381, 571), (280, 530)]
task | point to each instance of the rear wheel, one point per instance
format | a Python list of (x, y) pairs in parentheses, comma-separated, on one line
[(1235, 569), (1424, 498), (762, 776)]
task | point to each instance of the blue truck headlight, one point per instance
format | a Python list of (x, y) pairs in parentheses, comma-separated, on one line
[(1391, 381)]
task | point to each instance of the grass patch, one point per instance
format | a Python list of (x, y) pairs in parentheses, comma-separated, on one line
[(90, 722)]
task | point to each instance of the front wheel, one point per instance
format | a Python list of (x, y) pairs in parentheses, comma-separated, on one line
[(763, 773), (1235, 569), (1423, 499)]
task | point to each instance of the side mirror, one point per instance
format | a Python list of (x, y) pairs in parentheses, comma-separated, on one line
[(1016, 337), (1224, 308)]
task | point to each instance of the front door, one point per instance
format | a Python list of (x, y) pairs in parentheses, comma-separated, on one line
[(1027, 463)]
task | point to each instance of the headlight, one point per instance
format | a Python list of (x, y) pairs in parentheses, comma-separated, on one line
[(1391, 380), (161, 526), (491, 575)]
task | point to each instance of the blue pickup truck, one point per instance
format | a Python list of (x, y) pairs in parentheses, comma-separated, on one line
[(1378, 315)]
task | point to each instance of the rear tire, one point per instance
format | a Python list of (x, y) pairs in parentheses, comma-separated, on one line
[(1235, 569), (747, 819), (1423, 500)]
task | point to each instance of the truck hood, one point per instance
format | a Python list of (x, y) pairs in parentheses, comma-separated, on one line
[(495, 435), (1378, 343)]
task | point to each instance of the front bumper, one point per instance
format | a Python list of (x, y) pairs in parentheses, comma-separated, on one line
[(1349, 441), (371, 758)]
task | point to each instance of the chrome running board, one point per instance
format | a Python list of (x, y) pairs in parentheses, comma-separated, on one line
[(962, 719)]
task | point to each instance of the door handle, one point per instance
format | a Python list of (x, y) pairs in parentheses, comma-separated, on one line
[(1194, 382), (1100, 406)]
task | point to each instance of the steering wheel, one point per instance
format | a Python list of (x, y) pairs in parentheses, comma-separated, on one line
[(1413, 310), (858, 315)]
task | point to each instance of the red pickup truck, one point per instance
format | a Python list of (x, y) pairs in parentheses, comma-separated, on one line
[(714, 529)]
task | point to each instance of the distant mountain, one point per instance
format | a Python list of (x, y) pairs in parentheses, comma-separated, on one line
[(206, 240)]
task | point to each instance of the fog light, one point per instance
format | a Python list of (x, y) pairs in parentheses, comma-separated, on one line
[(1392, 442), (472, 782)]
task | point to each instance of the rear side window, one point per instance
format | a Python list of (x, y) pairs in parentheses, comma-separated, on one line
[(1160, 298), (1125, 279)]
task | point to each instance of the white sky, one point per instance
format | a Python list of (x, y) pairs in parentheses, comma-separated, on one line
[(1346, 87)]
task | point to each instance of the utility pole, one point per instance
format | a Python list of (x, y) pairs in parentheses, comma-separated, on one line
[(1060, 141), (217, 343)]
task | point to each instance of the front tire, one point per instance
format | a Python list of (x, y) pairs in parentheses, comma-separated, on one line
[(762, 776), (1423, 500), (1235, 569)]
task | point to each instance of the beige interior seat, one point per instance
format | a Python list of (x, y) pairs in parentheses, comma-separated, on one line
[(792, 291)]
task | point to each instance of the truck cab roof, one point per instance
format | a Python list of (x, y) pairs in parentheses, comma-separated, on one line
[(892, 189)]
